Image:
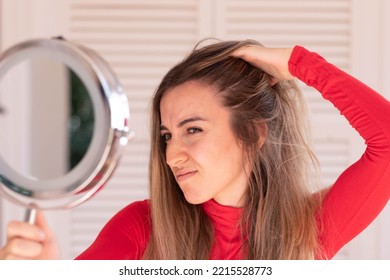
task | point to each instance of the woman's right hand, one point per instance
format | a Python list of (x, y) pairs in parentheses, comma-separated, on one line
[(30, 242)]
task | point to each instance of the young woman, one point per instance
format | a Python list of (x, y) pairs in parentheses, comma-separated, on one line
[(229, 165)]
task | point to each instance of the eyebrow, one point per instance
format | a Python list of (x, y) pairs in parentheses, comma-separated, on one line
[(184, 122)]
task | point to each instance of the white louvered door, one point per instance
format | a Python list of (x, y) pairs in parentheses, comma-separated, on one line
[(143, 39)]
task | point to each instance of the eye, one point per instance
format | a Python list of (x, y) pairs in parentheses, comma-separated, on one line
[(194, 130), (166, 136)]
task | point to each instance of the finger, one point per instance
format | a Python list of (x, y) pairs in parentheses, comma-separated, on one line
[(273, 81), (23, 248), (11, 257), (42, 223), (257, 56), (24, 230), (248, 53), (244, 51), (239, 53)]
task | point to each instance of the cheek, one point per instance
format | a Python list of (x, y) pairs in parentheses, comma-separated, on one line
[(218, 154), (231, 157), (201, 153)]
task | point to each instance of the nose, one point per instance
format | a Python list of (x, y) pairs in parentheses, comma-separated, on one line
[(175, 153)]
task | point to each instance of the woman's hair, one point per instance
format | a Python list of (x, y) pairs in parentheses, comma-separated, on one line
[(278, 220)]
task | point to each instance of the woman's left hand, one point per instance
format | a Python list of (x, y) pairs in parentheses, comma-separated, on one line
[(274, 61)]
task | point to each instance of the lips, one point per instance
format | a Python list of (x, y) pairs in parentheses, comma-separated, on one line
[(184, 174)]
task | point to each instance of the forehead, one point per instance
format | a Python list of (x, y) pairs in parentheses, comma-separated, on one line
[(188, 99)]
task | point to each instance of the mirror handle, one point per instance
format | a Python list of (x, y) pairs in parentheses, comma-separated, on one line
[(31, 214)]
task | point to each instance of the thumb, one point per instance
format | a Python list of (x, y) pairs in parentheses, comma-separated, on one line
[(50, 245), (42, 223)]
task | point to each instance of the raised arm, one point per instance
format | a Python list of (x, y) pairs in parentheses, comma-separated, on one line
[(362, 190)]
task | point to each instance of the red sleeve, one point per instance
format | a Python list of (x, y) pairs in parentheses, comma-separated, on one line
[(361, 191), (124, 237)]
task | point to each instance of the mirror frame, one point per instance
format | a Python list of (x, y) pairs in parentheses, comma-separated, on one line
[(111, 127)]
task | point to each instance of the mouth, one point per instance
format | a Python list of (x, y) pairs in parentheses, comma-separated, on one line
[(181, 176)]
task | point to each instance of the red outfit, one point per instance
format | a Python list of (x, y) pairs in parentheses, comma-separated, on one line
[(353, 202)]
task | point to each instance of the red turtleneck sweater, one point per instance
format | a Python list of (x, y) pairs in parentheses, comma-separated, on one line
[(353, 202)]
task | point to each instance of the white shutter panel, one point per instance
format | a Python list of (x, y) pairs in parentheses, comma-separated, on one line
[(319, 25), (141, 40)]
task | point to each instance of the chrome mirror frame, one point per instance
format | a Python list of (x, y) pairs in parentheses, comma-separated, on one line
[(111, 128)]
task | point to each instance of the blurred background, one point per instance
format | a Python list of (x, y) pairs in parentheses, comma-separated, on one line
[(142, 39)]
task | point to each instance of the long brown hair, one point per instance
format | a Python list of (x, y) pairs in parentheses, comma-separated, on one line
[(278, 220)]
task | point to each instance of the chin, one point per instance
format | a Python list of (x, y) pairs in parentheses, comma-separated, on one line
[(195, 200)]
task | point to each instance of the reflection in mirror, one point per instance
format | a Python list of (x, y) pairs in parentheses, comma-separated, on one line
[(81, 121), (54, 128)]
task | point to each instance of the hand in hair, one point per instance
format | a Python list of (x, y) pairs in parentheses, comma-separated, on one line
[(274, 61)]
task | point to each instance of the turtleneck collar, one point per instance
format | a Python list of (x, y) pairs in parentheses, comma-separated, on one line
[(224, 218)]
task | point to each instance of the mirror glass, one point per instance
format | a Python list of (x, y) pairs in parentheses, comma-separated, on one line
[(55, 125)]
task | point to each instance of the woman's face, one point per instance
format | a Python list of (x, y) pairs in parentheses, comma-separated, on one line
[(201, 150)]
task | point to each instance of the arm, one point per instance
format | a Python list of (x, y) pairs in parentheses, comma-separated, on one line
[(361, 191)]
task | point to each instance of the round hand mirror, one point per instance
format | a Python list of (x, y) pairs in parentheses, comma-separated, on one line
[(73, 120)]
